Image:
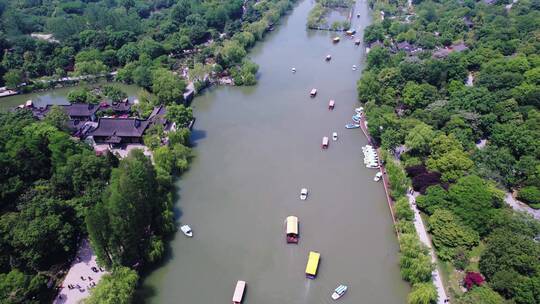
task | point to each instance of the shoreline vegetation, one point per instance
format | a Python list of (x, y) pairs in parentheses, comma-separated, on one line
[(460, 144), (319, 12), (56, 191), (204, 51)]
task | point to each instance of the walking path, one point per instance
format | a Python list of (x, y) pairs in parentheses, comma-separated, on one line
[(418, 223), (519, 206), (80, 277), (424, 238)]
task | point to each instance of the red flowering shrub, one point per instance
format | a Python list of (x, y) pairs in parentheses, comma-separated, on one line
[(413, 171), (473, 279)]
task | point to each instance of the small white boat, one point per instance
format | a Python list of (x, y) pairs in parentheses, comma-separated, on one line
[(377, 177), (354, 67), (239, 292), (313, 92), (325, 142), (328, 57), (334, 136), (352, 126), (372, 166), (356, 119), (359, 110), (187, 230), (339, 292), (293, 70), (336, 39), (303, 194)]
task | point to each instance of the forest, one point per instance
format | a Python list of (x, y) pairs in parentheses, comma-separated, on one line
[(47, 40), (452, 91), (55, 190)]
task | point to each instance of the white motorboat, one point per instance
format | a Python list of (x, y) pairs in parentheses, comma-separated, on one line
[(328, 57), (334, 136), (293, 70), (187, 230), (339, 292), (372, 166), (359, 110), (354, 67), (303, 194), (352, 126), (377, 176), (356, 119)]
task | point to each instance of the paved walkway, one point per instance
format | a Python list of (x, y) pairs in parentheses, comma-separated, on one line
[(424, 238), (519, 206), (418, 223), (80, 268)]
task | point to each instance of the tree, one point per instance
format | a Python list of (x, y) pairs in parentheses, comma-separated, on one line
[(415, 261), (57, 117), (452, 165), (403, 210), (179, 114), (530, 195), (114, 93), (135, 211), (17, 287), (169, 88), (449, 234), (480, 295), (115, 288), (508, 251), (435, 198), (419, 95), (232, 53), (423, 293), (94, 67), (13, 78), (419, 138), (475, 202)]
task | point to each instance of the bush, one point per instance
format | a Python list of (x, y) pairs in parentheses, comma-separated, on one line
[(473, 279), (529, 195)]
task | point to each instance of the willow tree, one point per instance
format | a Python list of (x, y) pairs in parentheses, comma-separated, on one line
[(128, 226)]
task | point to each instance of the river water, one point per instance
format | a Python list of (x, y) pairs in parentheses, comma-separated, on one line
[(256, 147), (59, 96)]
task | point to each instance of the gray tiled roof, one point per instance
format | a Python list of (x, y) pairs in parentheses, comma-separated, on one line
[(123, 127)]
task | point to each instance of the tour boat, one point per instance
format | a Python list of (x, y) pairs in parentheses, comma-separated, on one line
[(303, 194), (328, 57), (357, 15), (325, 142), (312, 264), (334, 136), (352, 126), (331, 104), (357, 42), (339, 292), (336, 39), (351, 32), (293, 70), (291, 230), (187, 230), (354, 67), (313, 92), (356, 118), (377, 177), (239, 292)]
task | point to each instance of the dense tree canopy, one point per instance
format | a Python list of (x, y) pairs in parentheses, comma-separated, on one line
[(461, 111)]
